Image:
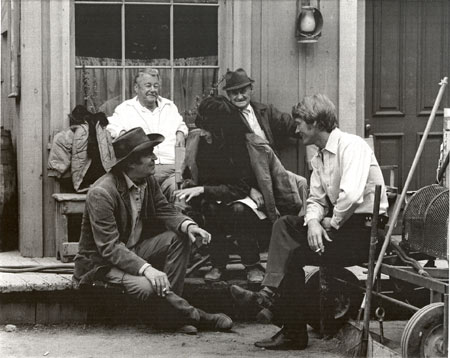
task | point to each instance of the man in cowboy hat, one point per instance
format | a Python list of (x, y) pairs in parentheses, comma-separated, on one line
[(123, 239)]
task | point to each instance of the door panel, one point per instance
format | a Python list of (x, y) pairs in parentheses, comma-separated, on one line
[(407, 52)]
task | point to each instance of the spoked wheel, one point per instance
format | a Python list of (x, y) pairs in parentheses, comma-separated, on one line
[(346, 299), (424, 333)]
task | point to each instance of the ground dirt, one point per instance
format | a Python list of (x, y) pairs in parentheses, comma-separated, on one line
[(126, 341)]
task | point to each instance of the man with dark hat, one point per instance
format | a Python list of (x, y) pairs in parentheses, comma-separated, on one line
[(227, 183), (264, 120), (124, 239)]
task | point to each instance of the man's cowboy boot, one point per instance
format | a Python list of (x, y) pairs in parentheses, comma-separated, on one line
[(286, 339), (187, 329), (197, 317), (182, 307), (214, 321), (263, 298)]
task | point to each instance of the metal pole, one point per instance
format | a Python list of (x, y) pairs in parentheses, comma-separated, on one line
[(370, 276)]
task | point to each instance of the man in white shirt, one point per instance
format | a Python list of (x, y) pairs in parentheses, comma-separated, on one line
[(335, 230), (154, 114)]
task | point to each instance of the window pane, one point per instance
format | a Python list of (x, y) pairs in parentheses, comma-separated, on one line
[(197, 1), (164, 90), (147, 35), (191, 86), (164, 1), (97, 31), (99, 89), (195, 32)]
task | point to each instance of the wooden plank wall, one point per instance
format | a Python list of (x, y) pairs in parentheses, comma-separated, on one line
[(39, 111), (9, 117), (284, 71), (30, 142), (58, 71)]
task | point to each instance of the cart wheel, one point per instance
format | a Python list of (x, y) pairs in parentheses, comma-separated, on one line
[(345, 298), (424, 333)]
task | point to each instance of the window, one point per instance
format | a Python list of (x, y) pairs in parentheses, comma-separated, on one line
[(114, 39)]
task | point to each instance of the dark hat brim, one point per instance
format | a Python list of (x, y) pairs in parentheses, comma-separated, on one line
[(154, 140), (241, 85)]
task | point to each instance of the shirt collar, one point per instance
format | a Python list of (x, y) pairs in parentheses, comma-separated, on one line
[(248, 109), (333, 140), (142, 108), (132, 185)]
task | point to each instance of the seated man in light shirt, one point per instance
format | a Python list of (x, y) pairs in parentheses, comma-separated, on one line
[(154, 114), (335, 230)]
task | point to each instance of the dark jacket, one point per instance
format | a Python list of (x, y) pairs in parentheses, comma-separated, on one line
[(106, 226), (284, 192), (222, 163), (277, 126)]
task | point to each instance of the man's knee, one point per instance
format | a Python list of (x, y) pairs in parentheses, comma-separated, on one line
[(238, 209), (138, 286), (287, 223), (180, 243)]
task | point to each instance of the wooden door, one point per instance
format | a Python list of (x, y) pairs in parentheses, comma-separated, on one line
[(407, 54)]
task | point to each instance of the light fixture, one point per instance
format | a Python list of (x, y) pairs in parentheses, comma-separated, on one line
[(309, 25)]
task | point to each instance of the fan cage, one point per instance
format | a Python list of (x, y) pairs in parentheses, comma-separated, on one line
[(425, 221)]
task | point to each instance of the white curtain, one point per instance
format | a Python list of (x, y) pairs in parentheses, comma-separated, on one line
[(100, 88)]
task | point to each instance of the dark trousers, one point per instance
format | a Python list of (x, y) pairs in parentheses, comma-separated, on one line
[(239, 221), (167, 252), (289, 252)]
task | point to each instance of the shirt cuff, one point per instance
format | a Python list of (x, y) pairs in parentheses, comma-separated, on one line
[(143, 268), (185, 224), (335, 222), (310, 217)]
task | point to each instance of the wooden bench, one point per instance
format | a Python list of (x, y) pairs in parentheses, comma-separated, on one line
[(66, 204)]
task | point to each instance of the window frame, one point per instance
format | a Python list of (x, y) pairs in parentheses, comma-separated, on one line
[(171, 67)]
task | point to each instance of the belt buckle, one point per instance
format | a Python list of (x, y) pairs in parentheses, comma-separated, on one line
[(368, 221)]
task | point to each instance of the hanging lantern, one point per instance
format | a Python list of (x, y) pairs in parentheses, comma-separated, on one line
[(309, 25)]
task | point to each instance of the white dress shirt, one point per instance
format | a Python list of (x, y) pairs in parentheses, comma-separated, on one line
[(164, 119), (346, 171), (250, 117)]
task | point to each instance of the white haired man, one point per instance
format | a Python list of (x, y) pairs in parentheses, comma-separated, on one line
[(154, 114)]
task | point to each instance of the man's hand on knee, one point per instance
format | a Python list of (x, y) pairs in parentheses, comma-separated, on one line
[(316, 234), (158, 279)]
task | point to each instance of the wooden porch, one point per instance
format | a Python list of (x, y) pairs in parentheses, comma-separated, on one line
[(48, 298)]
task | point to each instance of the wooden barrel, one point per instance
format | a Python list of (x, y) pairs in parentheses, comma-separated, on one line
[(8, 193)]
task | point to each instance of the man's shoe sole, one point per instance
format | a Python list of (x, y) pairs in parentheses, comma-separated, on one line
[(187, 329)]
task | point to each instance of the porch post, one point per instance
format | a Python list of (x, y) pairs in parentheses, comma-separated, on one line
[(29, 147), (58, 70), (351, 65)]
